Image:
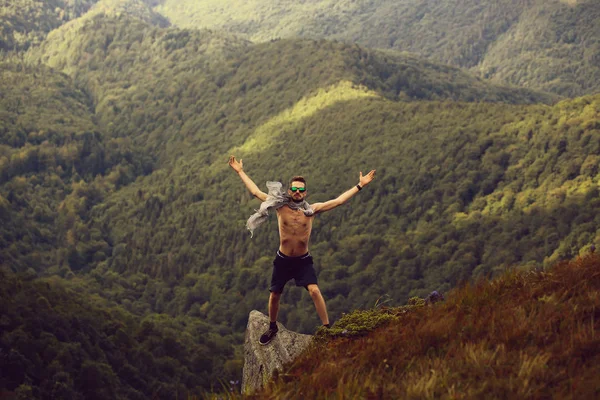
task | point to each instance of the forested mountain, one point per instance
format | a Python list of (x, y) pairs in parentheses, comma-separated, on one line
[(57, 343), (552, 45), (463, 191), (26, 22), (114, 185), (201, 80), (51, 150)]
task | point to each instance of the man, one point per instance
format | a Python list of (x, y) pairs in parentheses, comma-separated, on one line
[(295, 217)]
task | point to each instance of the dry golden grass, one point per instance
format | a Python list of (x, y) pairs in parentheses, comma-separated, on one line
[(524, 335)]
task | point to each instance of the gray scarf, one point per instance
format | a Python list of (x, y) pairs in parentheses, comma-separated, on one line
[(276, 198)]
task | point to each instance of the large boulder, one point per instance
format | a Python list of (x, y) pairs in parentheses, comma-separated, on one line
[(261, 361)]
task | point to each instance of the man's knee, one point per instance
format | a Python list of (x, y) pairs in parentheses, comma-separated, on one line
[(275, 296), (314, 291)]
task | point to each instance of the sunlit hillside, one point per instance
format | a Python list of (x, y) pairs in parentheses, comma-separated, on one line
[(180, 90), (463, 190), (545, 44)]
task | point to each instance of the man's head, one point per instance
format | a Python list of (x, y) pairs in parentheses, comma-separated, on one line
[(297, 189)]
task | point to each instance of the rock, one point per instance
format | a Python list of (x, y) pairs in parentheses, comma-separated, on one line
[(434, 297), (260, 361)]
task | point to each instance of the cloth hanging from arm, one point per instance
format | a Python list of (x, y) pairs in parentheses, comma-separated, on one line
[(277, 197)]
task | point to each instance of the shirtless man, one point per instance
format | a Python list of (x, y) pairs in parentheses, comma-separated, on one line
[(293, 259)]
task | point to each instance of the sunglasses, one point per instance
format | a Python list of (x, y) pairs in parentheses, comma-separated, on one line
[(299, 189)]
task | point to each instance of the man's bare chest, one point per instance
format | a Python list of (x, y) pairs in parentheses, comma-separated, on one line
[(289, 217)]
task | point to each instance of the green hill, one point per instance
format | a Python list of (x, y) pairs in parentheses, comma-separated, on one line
[(25, 22), (51, 153), (524, 335), (550, 45), (463, 190), (556, 50), (59, 343), (114, 139), (202, 79)]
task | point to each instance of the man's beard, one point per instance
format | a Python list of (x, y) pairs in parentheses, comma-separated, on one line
[(297, 201)]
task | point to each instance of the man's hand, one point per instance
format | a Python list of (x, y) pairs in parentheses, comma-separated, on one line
[(365, 180), (236, 165)]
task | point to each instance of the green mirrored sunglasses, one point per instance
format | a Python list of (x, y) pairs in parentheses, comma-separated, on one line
[(294, 188)]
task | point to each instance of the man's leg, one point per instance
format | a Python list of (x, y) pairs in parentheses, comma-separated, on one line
[(274, 306), (315, 293), (273, 309)]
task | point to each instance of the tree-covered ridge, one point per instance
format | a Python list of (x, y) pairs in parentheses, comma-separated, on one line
[(139, 9), (142, 78), (556, 51), (463, 190), (51, 150), (58, 343), (24, 23), (549, 45), (212, 83)]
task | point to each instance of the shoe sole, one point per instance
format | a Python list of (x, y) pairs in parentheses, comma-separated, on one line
[(264, 344)]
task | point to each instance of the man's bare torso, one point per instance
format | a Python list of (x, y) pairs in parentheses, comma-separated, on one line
[(294, 231)]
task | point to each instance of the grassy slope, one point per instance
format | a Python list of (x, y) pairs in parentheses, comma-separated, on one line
[(523, 335), (494, 39)]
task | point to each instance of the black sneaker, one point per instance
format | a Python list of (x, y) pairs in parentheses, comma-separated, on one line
[(268, 336)]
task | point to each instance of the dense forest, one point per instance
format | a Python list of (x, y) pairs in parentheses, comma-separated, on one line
[(24, 23), (57, 343), (547, 45), (551, 45), (118, 209)]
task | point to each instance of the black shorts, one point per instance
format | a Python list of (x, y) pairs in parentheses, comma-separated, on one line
[(300, 269)]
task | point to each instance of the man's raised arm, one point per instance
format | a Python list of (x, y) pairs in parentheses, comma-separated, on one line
[(344, 197), (238, 167)]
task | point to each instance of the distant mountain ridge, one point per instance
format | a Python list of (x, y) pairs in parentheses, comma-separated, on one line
[(179, 63), (24, 23), (549, 45)]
